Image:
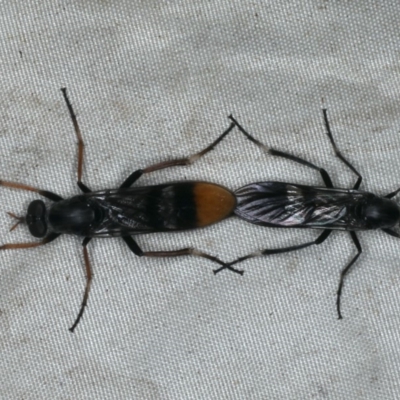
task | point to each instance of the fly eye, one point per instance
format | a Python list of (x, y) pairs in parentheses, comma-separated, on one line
[(36, 209), (36, 218), (38, 229)]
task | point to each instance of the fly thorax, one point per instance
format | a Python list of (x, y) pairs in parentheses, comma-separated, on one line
[(77, 215)]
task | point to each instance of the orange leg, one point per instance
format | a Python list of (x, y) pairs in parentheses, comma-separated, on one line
[(134, 247), (12, 246), (21, 186), (174, 163)]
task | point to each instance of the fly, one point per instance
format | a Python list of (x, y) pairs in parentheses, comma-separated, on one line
[(287, 205), (126, 211)]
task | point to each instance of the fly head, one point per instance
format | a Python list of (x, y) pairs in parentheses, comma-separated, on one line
[(36, 218), (381, 213)]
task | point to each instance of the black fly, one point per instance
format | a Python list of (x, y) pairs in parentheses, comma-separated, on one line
[(287, 205), (126, 211)]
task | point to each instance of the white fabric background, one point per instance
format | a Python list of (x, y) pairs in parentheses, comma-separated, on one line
[(153, 80)]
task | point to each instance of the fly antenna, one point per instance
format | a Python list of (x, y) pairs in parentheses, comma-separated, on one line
[(21, 220)]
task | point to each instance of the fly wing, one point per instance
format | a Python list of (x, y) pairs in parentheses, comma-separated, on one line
[(289, 205), (135, 210)]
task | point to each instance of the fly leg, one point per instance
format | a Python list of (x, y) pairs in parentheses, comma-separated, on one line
[(345, 272), (134, 247), (336, 150), (136, 174), (173, 163), (325, 176), (50, 195), (20, 186), (391, 232), (48, 239), (81, 145), (89, 277), (320, 239), (12, 246), (390, 195)]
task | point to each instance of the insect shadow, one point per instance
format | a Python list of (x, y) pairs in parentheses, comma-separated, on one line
[(288, 205), (126, 211)]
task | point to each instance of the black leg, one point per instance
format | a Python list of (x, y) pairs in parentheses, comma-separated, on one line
[(391, 232), (81, 145), (345, 272), (390, 195), (337, 152), (320, 239), (134, 247), (132, 178), (173, 163), (89, 277), (83, 187), (325, 176)]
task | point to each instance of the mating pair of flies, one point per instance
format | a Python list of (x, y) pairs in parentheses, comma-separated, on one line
[(178, 206)]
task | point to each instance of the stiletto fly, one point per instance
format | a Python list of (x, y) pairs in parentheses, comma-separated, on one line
[(288, 205), (126, 211)]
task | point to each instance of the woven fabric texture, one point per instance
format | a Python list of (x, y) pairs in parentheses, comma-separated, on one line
[(156, 80)]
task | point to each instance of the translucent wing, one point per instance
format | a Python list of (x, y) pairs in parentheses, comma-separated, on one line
[(289, 205), (142, 210)]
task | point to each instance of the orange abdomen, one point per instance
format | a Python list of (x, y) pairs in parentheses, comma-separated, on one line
[(213, 203)]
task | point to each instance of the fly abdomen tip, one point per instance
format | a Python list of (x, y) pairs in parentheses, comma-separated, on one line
[(213, 203)]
